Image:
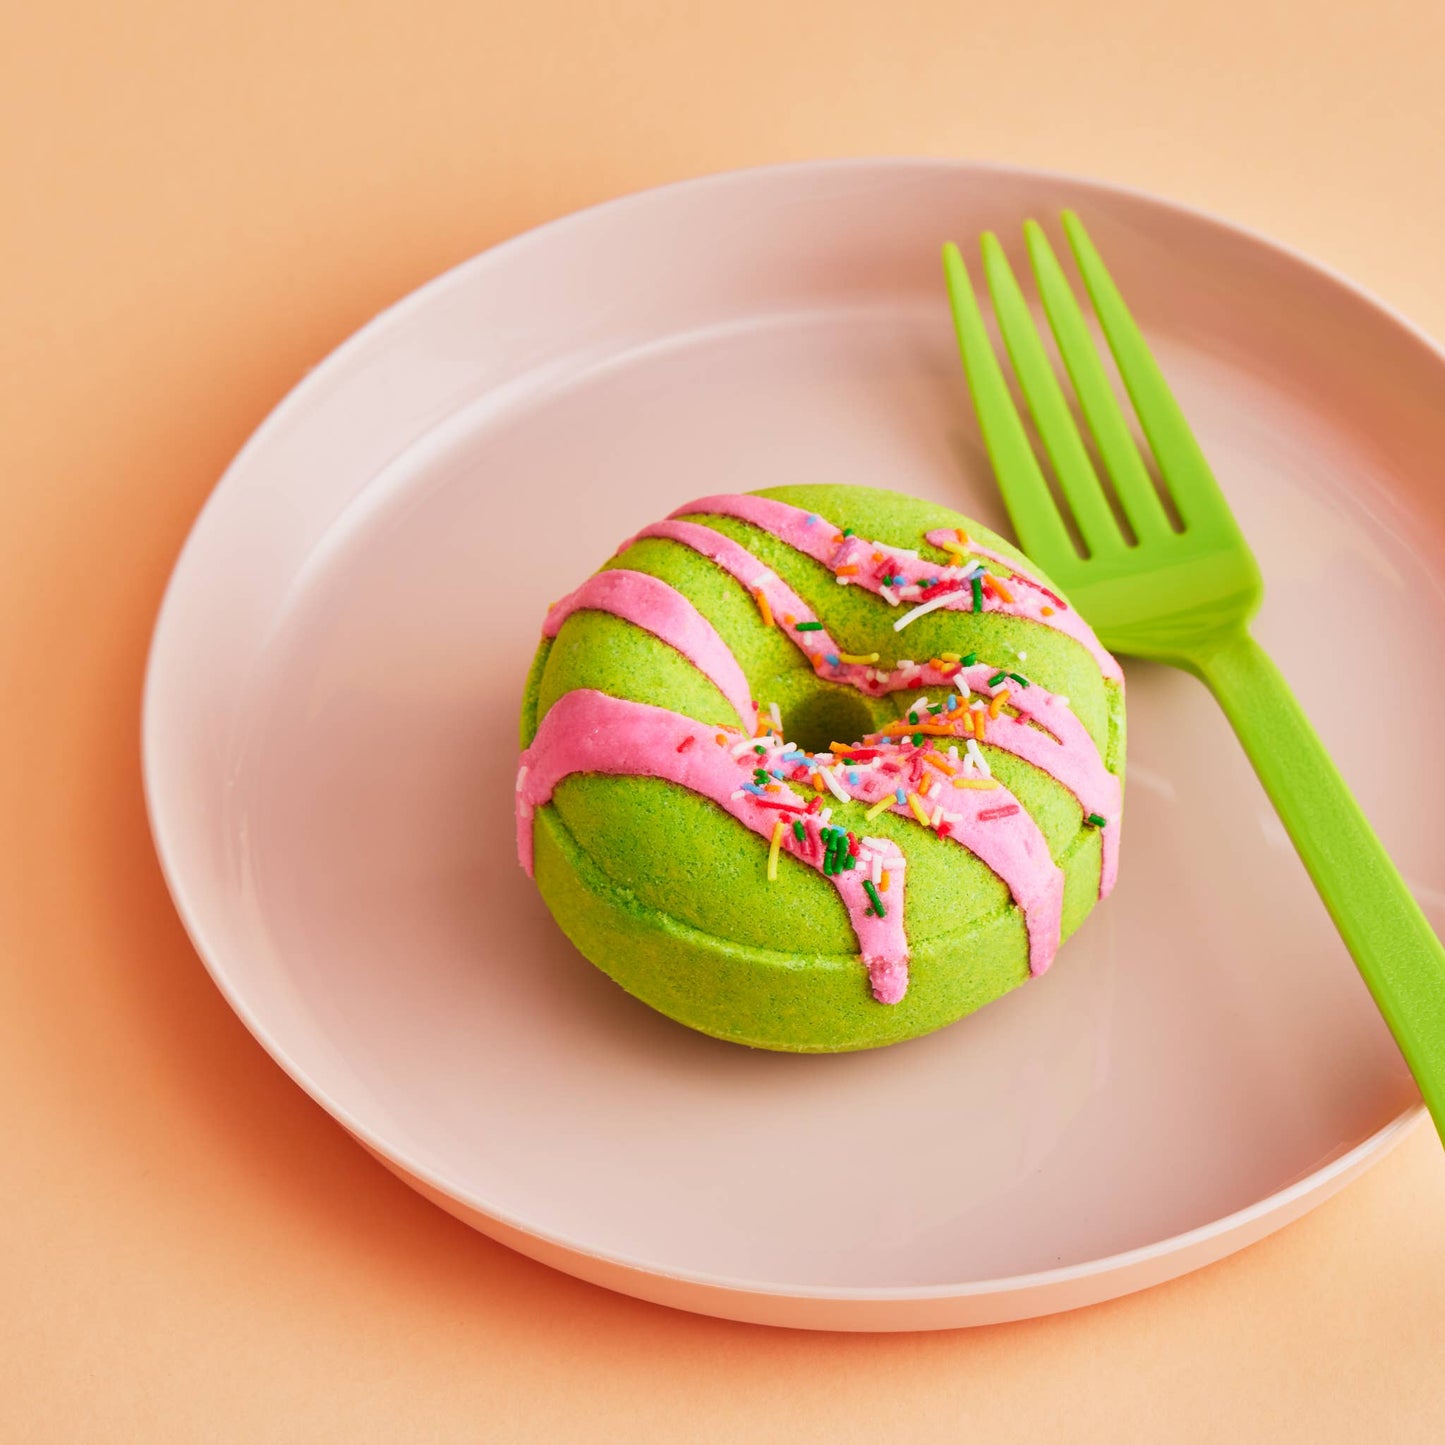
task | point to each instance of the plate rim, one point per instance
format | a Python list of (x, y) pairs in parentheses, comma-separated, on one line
[(1319, 1181)]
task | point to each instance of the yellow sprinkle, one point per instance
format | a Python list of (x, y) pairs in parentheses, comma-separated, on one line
[(773, 851), (880, 806), (917, 806), (857, 657), (997, 701), (974, 783), (951, 656), (883, 881), (763, 607)]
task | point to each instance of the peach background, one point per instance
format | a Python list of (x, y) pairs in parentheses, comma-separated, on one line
[(198, 201)]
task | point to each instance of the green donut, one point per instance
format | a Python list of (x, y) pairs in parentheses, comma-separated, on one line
[(668, 893)]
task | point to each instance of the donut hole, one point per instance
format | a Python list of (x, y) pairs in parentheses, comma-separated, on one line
[(829, 715)]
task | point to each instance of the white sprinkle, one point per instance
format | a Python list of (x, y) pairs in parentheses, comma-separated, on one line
[(842, 581), (877, 860), (953, 753), (931, 606), (824, 816), (1022, 656), (777, 717), (977, 758), (937, 817), (521, 776), (904, 664), (905, 552), (746, 746), (763, 579), (889, 596), (921, 701), (741, 793), (833, 785)]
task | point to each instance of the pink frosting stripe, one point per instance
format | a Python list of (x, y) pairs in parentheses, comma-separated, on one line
[(1068, 756), (820, 539), (661, 609), (591, 732)]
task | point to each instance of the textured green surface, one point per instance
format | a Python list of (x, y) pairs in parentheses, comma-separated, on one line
[(667, 893)]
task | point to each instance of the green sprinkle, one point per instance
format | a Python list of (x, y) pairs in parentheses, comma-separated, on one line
[(977, 594), (997, 678), (935, 707), (969, 660), (847, 531), (1095, 821), (810, 627), (760, 750), (917, 739), (873, 897), (1020, 679), (913, 717), (798, 832)]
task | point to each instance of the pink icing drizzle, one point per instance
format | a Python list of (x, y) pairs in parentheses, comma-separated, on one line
[(818, 539), (591, 732), (1068, 756), (651, 603)]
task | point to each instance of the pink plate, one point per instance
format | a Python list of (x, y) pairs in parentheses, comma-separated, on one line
[(330, 738)]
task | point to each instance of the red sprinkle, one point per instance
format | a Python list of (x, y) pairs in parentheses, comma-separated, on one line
[(989, 814), (686, 743), (944, 829), (781, 807), (939, 588)]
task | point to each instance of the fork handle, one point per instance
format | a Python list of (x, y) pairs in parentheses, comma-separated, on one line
[(1392, 943)]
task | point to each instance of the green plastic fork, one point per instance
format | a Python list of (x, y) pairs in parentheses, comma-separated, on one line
[(1182, 595)]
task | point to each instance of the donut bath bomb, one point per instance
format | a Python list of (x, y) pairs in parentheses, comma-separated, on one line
[(819, 768)]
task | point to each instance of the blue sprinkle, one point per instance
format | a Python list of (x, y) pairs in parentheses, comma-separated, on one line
[(754, 789), (778, 773), (853, 776), (832, 659), (811, 518), (899, 795)]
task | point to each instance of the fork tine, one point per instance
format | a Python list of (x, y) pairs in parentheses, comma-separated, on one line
[(1182, 463), (1036, 519), (1096, 397), (1077, 478)]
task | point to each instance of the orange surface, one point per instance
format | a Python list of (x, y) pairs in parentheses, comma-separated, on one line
[(197, 202)]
